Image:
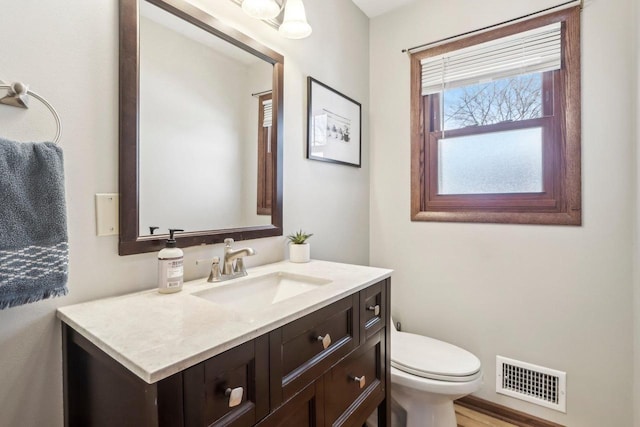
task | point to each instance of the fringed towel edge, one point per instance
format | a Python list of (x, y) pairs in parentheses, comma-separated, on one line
[(28, 299)]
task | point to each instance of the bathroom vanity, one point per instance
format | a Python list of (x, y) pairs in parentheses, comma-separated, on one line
[(288, 345)]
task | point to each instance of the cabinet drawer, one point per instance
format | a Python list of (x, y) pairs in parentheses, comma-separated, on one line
[(373, 309), (231, 389), (355, 387), (298, 354)]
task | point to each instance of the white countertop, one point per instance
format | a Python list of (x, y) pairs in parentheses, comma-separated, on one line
[(157, 335)]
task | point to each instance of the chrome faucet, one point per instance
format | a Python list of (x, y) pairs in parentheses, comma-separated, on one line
[(233, 263)]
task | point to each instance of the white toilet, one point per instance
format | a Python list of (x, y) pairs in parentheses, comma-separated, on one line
[(427, 375)]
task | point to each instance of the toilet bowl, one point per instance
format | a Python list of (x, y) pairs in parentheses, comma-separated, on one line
[(427, 375)]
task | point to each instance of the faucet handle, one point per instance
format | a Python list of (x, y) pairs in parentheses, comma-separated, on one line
[(214, 274), (228, 241), (239, 266)]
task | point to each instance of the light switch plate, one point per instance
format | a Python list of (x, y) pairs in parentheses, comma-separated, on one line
[(107, 223)]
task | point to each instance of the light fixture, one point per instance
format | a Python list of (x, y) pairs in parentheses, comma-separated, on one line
[(261, 9), (295, 25)]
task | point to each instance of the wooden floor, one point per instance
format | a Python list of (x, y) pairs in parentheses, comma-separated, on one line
[(470, 418)]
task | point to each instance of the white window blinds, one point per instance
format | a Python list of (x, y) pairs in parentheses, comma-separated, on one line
[(532, 51), (267, 119)]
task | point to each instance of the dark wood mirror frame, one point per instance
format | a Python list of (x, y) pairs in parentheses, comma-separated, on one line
[(130, 240)]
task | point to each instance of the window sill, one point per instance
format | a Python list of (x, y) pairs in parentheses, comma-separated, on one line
[(574, 217)]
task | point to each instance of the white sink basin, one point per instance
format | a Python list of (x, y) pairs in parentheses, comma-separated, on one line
[(261, 292)]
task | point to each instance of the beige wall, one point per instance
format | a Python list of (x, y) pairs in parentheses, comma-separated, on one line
[(636, 250), (559, 297), (67, 50)]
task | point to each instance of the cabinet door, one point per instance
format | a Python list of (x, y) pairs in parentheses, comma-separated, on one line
[(231, 389), (355, 386), (305, 409), (373, 309)]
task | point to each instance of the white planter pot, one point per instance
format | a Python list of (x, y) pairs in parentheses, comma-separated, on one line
[(299, 253)]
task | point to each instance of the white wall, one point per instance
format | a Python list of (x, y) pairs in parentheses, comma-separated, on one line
[(555, 296), (68, 51)]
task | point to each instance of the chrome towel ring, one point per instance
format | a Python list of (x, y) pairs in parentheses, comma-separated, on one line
[(17, 97)]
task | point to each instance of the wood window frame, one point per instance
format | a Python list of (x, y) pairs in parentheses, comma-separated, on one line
[(560, 201), (265, 160)]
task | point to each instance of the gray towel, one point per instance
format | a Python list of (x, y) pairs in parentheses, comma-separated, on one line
[(33, 223)]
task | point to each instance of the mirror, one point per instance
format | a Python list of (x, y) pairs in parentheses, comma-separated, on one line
[(200, 129)]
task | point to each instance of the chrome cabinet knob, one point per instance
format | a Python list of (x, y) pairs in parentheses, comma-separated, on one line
[(362, 381), (234, 395), (326, 340), (375, 309)]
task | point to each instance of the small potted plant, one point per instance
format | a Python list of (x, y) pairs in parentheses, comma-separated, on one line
[(299, 249)]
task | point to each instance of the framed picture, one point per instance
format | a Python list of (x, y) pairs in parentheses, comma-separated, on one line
[(334, 125)]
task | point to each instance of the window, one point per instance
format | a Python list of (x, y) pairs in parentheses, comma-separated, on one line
[(496, 125), (265, 157)]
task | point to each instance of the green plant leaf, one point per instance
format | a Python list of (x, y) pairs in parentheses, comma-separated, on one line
[(299, 237)]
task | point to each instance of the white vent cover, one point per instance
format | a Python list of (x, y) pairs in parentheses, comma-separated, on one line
[(542, 386)]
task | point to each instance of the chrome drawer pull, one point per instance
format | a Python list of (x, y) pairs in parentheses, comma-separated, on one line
[(234, 395), (326, 340), (362, 381), (375, 309)]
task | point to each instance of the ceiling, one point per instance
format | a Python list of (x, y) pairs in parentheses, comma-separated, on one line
[(378, 7)]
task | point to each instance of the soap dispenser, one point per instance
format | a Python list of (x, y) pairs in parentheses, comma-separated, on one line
[(170, 266)]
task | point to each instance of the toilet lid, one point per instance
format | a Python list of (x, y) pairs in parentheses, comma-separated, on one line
[(430, 358)]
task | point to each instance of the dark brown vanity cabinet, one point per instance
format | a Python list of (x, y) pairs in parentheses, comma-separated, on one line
[(327, 368), (98, 391)]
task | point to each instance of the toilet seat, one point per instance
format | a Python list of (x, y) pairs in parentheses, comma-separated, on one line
[(433, 359)]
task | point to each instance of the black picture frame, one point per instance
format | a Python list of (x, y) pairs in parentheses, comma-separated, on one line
[(334, 125)]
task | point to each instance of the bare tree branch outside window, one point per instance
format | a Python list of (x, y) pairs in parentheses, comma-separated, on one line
[(511, 99)]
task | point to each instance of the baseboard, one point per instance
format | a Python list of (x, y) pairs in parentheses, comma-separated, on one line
[(503, 413)]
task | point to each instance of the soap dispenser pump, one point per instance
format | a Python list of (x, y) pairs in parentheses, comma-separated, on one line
[(170, 266)]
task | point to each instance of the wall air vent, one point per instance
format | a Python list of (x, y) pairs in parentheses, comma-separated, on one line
[(542, 386)]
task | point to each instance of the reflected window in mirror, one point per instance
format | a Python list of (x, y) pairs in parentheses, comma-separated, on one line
[(265, 160)]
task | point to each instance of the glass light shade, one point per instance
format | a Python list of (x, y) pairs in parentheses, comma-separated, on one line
[(295, 25), (261, 9)]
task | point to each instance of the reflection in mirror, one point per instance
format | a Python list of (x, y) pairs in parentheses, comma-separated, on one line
[(200, 129)]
